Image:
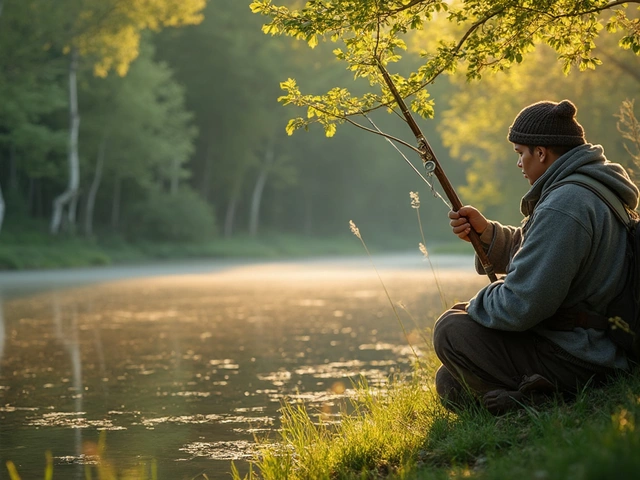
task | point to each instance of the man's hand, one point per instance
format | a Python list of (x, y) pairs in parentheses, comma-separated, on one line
[(465, 219)]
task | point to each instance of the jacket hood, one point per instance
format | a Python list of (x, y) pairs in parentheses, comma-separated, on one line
[(588, 160)]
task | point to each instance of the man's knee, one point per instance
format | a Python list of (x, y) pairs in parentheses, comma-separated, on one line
[(451, 326)]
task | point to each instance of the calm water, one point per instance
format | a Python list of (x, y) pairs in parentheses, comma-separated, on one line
[(187, 366)]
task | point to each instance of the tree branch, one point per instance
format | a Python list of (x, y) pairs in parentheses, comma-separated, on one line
[(413, 3), (577, 13)]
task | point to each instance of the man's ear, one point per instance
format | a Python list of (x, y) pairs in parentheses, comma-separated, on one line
[(541, 154)]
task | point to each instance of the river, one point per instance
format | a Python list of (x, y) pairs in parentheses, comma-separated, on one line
[(179, 367)]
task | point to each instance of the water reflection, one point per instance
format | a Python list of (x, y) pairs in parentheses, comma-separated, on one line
[(188, 369)]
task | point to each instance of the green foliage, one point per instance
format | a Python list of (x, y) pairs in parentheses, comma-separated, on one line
[(180, 217), (143, 120), (490, 36), (629, 127), (33, 249), (474, 124)]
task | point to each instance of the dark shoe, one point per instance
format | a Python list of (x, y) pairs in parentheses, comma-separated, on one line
[(533, 390), (453, 395)]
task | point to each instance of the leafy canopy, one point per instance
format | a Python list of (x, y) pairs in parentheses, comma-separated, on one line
[(477, 35), (110, 30)]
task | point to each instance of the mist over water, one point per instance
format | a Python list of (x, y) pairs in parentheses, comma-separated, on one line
[(186, 370)]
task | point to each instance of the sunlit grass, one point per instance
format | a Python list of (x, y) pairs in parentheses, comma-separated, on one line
[(384, 432), (40, 251), (402, 431)]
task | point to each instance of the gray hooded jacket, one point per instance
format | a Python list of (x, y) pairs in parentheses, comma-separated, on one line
[(568, 253)]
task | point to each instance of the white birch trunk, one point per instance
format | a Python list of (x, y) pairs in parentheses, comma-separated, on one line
[(65, 199), (258, 189), (93, 191)]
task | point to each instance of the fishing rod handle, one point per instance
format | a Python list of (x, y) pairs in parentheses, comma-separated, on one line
[(456, 205)]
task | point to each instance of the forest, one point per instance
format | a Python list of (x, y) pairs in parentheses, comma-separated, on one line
[(157, 122)]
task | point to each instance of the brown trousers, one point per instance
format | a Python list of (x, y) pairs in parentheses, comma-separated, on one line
[(485, 359)]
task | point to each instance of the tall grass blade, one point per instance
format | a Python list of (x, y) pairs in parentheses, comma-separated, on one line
[(13, 473), (415, 204), (48, 470), (356, 231)]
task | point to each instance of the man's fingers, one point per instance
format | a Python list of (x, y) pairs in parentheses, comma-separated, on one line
[(460, 222), (460, 225)]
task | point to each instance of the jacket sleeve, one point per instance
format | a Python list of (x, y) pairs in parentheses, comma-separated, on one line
[(500, 242), (540, 274)]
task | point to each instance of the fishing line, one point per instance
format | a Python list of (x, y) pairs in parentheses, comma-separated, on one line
[(431, 187)]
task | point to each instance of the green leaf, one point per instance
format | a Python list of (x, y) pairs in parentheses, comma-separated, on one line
[(256, 7), (330, 129), (291, 126)]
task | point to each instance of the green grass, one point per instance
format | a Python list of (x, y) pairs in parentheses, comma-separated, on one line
[(403, 432), (38, 250)]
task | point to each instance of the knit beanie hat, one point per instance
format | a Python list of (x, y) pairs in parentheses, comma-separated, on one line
[(547, 124)]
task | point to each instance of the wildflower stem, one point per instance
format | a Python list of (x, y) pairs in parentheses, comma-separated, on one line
[(356, 231), (443, 299)]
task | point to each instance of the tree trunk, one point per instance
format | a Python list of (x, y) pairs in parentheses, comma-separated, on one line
[(258, 189), (93, 191), (115, 205), (65, 199), (230, 217), (71, 214)]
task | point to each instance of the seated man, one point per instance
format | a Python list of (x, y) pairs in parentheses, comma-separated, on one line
[(501, 347)]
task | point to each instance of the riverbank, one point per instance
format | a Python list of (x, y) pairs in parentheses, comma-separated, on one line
[(40, 251), (403, 432)]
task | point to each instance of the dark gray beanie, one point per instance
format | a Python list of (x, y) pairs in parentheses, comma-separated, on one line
[(547, 124)]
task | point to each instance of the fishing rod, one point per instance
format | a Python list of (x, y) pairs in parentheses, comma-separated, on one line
[(432, 166)]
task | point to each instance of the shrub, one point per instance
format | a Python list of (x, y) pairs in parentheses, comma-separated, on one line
[(180, 217)]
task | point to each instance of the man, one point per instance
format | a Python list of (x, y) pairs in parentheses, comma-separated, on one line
[(504, 348)]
